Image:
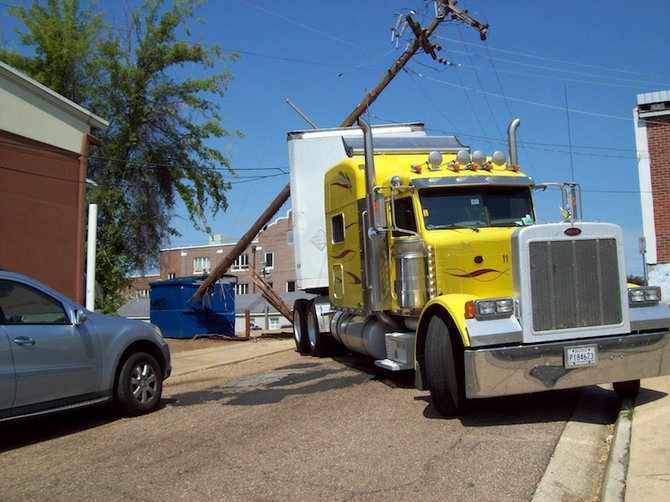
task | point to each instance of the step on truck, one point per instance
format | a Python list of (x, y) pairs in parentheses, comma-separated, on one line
[(427, 256)]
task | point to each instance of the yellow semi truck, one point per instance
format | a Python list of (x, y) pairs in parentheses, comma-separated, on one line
[(427, 257)]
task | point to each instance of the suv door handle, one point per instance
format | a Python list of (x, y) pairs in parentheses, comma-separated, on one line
[(24, 341)]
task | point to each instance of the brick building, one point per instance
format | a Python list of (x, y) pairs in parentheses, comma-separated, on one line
[(652, 135), (270, 254), (44, 147)]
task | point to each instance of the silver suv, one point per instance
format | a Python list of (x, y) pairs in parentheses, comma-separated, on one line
[(56, 355)]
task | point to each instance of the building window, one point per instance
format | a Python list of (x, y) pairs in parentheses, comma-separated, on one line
[(274, 323), (201, 265), (172, 275), (269, 260), (241, 289), (241, 263), (289, 237), (290, 286), (142, 293), (337, 228)]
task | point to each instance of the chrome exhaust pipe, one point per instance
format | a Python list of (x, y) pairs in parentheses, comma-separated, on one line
[(375, 243), (511, 143)]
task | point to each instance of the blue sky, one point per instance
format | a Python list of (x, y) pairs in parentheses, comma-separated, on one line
[(594, 55)]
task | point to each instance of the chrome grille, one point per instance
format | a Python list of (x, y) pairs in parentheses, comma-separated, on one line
[(574, 284)]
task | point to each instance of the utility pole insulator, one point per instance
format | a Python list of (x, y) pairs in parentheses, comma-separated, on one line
[(462, 15)]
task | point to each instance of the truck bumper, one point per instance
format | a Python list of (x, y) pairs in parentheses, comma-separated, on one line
[(522, 369)]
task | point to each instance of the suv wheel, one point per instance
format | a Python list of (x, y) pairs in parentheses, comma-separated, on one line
[(139, 385)]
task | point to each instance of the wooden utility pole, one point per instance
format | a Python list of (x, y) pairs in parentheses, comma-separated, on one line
[(421, 40)]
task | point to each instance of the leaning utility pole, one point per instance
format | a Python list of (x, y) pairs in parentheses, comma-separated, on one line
[(421, 40)]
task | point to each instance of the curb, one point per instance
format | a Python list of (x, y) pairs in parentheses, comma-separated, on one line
[(613, 488)]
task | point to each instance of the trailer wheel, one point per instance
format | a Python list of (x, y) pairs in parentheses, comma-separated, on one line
[(300, 325), (443, 369), (320, 343), (627, 390)]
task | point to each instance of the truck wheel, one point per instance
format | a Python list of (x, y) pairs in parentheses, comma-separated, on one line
[(139, 385), (299, 325), (442, 369), (627, 390), (319, 343)]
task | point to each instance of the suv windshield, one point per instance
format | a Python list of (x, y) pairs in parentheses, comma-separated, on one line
[(474, 207)]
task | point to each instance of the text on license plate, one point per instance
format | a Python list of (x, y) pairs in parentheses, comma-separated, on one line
[(581, 356)]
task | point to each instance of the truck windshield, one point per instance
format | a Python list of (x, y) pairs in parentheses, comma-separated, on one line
[(475, 207)]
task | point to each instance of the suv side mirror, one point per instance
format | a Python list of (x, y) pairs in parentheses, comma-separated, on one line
[(80, 317)]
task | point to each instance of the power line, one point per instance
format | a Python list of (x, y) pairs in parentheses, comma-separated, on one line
[(600, 82), (561, 70), (562, 61), (525, 101), (545, 147), (488, 103), (305, 26), (49, 153)]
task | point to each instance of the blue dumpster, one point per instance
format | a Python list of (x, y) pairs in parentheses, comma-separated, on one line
[(178, 315)]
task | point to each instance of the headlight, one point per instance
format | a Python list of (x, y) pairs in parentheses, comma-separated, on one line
[(638, 297), (489, 308)]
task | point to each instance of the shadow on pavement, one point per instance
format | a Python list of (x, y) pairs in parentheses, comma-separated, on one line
[(36, 430), (587, 405), (273, 387), (648, 396), (598, 405)]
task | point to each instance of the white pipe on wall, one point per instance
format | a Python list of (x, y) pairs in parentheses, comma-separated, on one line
[(90, 255)]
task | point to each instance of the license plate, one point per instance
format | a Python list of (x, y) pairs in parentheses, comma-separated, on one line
[(586, 355)]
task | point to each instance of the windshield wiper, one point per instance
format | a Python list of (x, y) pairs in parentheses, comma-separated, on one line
[(452, 227)]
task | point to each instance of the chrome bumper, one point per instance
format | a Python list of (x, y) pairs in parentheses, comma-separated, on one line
[(522, 369)]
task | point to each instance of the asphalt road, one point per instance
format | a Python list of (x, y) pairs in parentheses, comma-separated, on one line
[(291, 427)]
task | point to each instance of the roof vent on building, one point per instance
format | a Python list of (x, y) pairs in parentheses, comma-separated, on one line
[(653, 104)]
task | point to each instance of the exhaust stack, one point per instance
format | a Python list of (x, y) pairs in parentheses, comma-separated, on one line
[(511, 143), (377, 288)]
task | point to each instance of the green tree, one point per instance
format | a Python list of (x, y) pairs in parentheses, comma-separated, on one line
[(64, 38), (158, 93)]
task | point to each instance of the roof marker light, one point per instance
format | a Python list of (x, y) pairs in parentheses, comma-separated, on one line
[(498, 158), (463, 157), (434, 161)]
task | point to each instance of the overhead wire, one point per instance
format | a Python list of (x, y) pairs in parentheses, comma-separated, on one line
[(486, 99), (599, 76), (55, 153), (463, 87), (561, 61)]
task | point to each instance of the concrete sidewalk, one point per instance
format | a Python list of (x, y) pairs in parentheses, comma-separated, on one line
[(639, 463), (189, 361), (648, 475)]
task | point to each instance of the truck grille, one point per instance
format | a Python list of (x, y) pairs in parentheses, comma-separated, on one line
[(574, 284)]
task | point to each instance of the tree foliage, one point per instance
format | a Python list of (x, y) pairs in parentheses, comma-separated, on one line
[(64, 38), (158, 93)]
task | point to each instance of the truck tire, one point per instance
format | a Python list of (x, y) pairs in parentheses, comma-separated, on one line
[(443, 371), (627, 390), (320, 343), (300, 325)]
